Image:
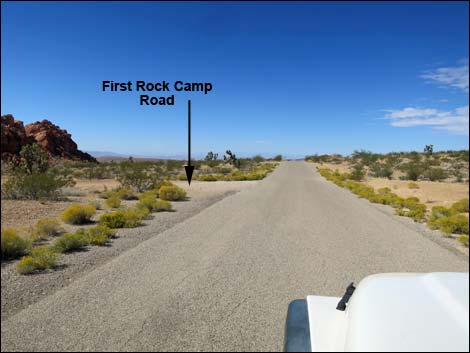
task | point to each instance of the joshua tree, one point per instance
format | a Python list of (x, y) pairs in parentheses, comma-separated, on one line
[(211, 156), (231, 158), (429, 149)]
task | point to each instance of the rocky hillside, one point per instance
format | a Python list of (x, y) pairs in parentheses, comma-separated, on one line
[(56, 141)]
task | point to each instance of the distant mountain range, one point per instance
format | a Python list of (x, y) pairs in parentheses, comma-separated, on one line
[(108, 154)]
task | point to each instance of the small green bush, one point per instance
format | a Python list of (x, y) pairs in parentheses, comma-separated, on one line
[(209, 177), (148, 202), (172, 193), (47, 227), (78, 214), (463, 239), (96, 204), (413, 170), (41, 258), (134, 217), (438, 212), (70, 242), (98, 235), (461, 206), (358, 173), (13, 246), (113, 220), (113, 202), (435, 174), (381, 171), (162, 205), (130, 218), (412, 185), (456, 224), (36, 186), (125, 193), (160, 183)]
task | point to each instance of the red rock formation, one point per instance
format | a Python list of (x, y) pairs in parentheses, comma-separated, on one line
[(56, 141), (13, 135)]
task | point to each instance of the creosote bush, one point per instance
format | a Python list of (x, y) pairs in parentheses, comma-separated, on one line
[(70, 242), (78, 214), (162, 205), (455, 224), (113, 202), (172, 193), (461, 206), (413, 185), (129, 218), (41, 258), (148, 202), (13, 246), (463, 239), (45, 228), (31, 178), (408, 207), (99, 235)]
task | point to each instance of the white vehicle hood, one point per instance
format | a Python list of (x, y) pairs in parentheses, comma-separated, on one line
[(396, 312)]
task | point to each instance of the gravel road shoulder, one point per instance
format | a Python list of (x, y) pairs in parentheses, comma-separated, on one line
[(19, 291)]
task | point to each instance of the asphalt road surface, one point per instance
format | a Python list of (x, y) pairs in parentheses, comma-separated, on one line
[(222, 280)]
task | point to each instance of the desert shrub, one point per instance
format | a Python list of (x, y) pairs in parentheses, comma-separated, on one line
[(113, 220), (148, 202), (411, 207), (78, 214), (172, 193), (23, 186), (13, 246), (134, 217), (413, 170), (438, 212), (278, 158), (45, 228), (129, 218), (125, 194), (455, 224), (162, 205), (258, 159), (41, 258), (435, 174), (461, 206), (31, 177), (98, 235), (105, 194), (137, 176), (412, 185), (381, 171), (358, 173), (113, 202), (153, 193), (161, 183), (209, 177), (70, 242), (96, 204), (365, 157), (463, 239)]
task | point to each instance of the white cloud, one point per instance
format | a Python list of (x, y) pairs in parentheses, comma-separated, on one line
[(456, 76), (455, 121)]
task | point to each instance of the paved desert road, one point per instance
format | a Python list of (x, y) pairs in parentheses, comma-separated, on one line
[(222, 280)]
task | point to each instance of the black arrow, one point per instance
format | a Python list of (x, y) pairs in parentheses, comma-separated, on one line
[(189, 168)]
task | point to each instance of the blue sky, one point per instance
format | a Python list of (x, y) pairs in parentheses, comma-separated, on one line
[(291, 78)]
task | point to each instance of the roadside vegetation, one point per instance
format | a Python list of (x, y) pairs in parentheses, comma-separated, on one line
[(143, 187), (452, 221)]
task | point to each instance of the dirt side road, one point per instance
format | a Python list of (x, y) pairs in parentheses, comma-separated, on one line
[(222, 279)]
